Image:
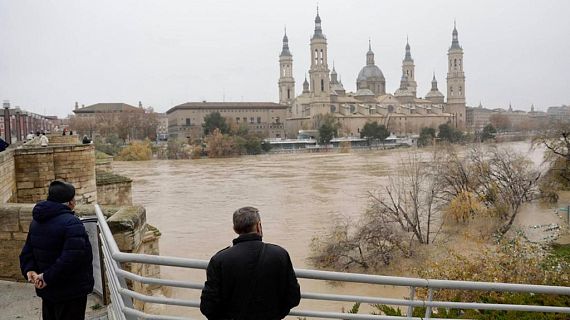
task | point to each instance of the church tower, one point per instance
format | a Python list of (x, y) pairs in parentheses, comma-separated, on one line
[(408, 68), (456, 82), (286, 80), (319, 71)]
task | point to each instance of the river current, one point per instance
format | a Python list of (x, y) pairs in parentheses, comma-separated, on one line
[(299, 196)]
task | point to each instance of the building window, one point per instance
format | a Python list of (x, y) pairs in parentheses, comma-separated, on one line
[(333, 108), (276, 119), (187, 121), (252, 120), (322, 85), (237, 120), (258, 119), (288, 93), (244, 120)]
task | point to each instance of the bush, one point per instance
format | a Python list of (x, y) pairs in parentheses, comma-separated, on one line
[(111, 145), (136, 151)]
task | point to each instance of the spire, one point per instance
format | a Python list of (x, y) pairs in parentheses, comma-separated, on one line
[(408, 56), (334, 75), (434, 83), (532, 107), (285, 51), (305, 85), (455, 36), (369, 54), (318, 30), (480, 105), (510, 107)]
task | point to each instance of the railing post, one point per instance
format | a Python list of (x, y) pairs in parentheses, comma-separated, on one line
[(428, 308), (410, 312)]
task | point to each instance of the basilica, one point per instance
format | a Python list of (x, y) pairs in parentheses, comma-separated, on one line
[(403, 112)]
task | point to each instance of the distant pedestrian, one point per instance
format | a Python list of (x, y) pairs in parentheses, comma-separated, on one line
[(251, 279), (86, 140), (30, 136), (44, 140), (57, 255), (64, 131), (3, 145)]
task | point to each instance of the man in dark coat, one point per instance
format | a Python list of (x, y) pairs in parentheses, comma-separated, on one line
[(57, 255), (251, 279), (3, 145)]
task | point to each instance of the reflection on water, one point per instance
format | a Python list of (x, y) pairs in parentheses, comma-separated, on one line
[(299, 196)]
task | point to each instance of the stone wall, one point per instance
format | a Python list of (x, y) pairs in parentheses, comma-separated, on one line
[(127, 223), (113, 189), (14, 223), (36, 167), (8, 176), (61, 139)]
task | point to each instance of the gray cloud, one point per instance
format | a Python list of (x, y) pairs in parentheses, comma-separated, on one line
[(53, 53)]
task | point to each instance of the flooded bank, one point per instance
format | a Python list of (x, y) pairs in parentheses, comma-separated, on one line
[(299, 197)]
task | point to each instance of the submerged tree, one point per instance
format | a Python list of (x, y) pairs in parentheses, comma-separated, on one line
[(556, 139), (497, 178), (401, 214), (425, 193)]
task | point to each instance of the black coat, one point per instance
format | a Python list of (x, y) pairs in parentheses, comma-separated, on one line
[(58, 246), (229, 278)]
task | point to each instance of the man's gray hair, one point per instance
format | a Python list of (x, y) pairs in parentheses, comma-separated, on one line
[(245, 219)]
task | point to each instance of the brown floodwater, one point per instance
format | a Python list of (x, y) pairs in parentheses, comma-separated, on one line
[(299, 197)]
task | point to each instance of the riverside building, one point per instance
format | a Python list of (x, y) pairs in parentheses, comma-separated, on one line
[(265, 118)]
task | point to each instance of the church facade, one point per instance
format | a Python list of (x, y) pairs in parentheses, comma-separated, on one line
[(402, 112)]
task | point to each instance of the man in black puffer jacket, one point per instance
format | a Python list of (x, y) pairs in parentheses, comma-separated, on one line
[(250, 280), (57, 255)]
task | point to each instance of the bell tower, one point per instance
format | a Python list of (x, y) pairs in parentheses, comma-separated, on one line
[(286, 81), (456, 82), (319, 71), (408, 68)]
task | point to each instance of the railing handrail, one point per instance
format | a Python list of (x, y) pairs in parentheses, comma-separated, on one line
[(118, 256)]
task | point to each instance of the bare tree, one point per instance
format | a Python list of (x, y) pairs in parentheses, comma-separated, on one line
[(556, 139), (501, 179), (404, 212), (412, 200)]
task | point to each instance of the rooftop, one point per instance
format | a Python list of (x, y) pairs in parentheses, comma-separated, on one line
[(226, 105)]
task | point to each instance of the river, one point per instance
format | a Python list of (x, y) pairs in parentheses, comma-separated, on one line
[(299, 196)]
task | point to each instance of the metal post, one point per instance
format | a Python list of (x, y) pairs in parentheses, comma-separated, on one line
[(410, 312), (428, 308)]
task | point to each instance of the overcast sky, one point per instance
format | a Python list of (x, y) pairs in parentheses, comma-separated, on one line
[(163, 53)]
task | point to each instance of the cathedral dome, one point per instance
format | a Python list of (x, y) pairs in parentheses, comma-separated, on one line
[(370, 72)]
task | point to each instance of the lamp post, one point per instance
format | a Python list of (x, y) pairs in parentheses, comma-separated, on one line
[(7, 128), (18, 125)]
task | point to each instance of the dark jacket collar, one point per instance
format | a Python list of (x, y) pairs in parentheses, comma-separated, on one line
[(247, 237), (46, 210)]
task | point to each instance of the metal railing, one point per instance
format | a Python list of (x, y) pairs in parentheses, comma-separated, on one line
[(122, 297)]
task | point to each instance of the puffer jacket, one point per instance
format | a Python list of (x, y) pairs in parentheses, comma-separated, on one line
[(58, 246)]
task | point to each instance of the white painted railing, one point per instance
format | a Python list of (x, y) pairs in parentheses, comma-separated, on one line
[(122, 297)]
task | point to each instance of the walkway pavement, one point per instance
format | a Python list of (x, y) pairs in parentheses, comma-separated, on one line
[(18, 300)]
